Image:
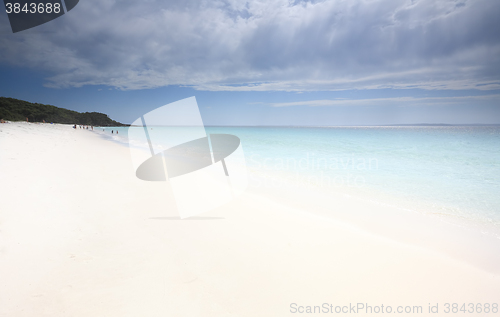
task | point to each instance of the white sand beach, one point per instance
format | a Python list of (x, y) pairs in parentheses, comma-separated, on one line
[(80, 235)]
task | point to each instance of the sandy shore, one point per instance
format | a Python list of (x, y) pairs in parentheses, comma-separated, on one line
[(81, 236)]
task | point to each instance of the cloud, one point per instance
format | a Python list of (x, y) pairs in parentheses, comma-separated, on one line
[(403, 101), (232, 45)]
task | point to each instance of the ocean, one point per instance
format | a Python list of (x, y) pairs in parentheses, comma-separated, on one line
[(451, 171)]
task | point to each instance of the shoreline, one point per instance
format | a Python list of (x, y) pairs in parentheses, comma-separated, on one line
[(464, 241), (312, 177), (393, 219), (81, 236)]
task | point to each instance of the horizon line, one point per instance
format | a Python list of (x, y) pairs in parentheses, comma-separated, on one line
[(329, 126)]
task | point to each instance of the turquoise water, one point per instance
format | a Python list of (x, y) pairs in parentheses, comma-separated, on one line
[(442, 170)]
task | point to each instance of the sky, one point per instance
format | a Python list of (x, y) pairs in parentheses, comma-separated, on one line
[(310, 63)]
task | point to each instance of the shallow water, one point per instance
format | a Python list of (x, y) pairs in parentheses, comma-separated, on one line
[(452, 171)]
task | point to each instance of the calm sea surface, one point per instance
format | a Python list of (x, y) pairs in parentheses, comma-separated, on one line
[(451, 171)]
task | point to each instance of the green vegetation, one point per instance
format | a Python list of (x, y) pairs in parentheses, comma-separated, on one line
[(18, 110)]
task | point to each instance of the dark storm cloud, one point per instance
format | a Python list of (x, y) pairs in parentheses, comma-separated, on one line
[(267, 45)]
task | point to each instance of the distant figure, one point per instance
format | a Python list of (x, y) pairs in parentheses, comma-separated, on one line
[(74, 126), (87, 127), (2, 121), (116, 131), (43, 121), (112, 132), (92, 128), (27, 119)]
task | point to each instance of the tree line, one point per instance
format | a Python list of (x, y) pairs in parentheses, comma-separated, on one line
[(18, 110)]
